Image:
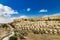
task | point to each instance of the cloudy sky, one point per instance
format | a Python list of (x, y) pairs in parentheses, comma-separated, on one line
[(11, 9)]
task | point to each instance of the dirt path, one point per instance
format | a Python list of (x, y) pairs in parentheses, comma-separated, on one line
[(11, 34)]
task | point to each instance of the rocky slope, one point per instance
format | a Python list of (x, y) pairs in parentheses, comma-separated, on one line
[(44, 25)]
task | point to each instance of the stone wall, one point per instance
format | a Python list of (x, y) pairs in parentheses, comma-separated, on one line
[(48, 27)]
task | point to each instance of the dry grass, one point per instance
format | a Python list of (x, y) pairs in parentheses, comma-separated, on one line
[(32, 36), (45, 28)]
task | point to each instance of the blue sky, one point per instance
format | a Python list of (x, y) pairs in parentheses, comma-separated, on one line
[(52, 6), (31, 8)]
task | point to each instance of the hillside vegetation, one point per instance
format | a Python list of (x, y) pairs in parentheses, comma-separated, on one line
[(41, 28)]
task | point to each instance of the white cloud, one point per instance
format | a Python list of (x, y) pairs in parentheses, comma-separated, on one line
[(23, 16), (28, 9), (5, 13), (56, 14), (5, 10), (5, 20), (43, 10)]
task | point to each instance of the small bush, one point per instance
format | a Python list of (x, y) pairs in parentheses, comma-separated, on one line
[(21, 37), (35, 31), (24, 33), (13, 38)]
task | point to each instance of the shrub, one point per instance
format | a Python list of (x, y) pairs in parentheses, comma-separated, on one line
[(21, 37), (35, 31), (13, 38), (24, 33)]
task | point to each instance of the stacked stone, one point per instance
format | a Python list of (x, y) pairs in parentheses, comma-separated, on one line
[(47, 27)]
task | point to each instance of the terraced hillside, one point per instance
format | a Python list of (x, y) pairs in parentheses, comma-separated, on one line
[(44, 25), (47, 25), (43, 28), (40, 26)]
